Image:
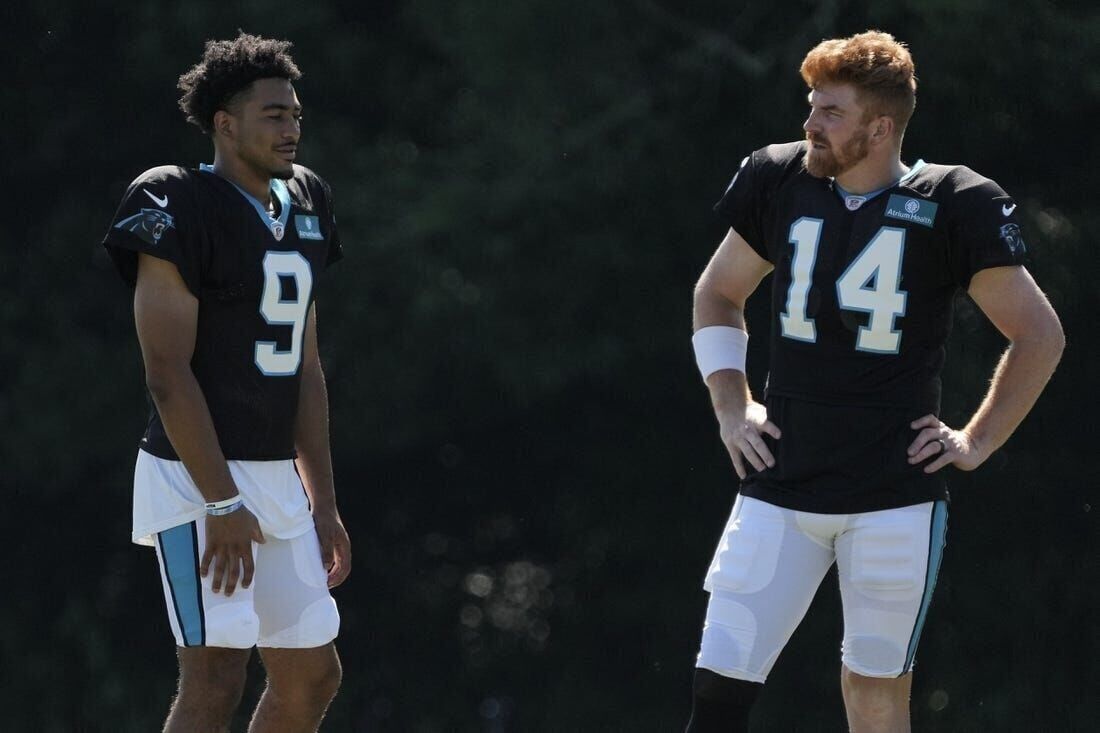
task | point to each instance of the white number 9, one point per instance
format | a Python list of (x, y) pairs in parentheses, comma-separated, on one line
[(280, 312)]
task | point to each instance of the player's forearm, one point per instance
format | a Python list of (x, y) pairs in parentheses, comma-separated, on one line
[(1021, 374), (186, 418), (711, 308), (729, 388), (729, 391), (311, 440)]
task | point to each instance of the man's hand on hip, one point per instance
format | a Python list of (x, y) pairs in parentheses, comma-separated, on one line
[(742, 433), (950, 447)]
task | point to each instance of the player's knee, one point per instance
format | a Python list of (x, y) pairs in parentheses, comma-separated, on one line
[(312, 684), (232, 626), (320, 682), (328, 681), (874, 700), (729, 634)]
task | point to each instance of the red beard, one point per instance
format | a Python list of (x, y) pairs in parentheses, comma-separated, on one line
[(829, 163)]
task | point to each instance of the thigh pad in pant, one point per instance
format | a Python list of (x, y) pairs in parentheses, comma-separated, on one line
[(887, 563), (764, 575)]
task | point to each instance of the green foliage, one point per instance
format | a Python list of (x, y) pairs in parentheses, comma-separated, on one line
[(524, 455)]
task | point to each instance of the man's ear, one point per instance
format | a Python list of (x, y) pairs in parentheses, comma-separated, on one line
[(883, 128), (225, 124)]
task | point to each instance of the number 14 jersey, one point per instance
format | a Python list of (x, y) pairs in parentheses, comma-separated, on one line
[(254, 273), (862, 300)]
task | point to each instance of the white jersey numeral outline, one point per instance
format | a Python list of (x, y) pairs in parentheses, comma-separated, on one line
[(805, 236), (871, 284), (278, 311)]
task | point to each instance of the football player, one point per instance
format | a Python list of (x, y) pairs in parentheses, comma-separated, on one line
[(842, 460), (233, 483)]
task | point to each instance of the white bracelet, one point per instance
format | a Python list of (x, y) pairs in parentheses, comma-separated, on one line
[(720, 347), (216, 507), (227, 510)]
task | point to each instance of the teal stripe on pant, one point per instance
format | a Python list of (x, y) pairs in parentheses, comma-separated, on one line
[(179, 549), (937, 535)]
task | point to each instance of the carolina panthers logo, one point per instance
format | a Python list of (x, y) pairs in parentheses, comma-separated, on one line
[(1010, 235), (149, 224)]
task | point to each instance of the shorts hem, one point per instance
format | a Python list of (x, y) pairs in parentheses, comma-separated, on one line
[(210, 646), (864, 672), (737, 674), (274, 645), (144, 535)]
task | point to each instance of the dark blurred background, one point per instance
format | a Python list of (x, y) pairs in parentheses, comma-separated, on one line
[(525, 455)]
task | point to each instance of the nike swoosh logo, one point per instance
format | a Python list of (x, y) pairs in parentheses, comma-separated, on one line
[(162, 202), (1006, 210)]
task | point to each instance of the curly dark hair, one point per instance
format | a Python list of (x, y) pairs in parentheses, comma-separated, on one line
[(227, 68)]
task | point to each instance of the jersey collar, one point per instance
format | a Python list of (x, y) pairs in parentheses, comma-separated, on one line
[(853, 201), (276, 225), (912, 171)]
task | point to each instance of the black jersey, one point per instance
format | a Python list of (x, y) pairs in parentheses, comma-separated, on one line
[(862, 300), (254, 274)]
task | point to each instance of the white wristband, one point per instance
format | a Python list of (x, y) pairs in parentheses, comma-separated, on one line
[(222, 512), (224, 503), (720, 347)]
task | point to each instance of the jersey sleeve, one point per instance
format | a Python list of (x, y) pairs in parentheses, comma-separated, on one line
[(335, 248), (740, 206), (316, 194), (985, 231), (156, 218)]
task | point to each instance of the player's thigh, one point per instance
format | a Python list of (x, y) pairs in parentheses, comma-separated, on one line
[(762, 580), (887, 563), (199, 617), (292, 598), (216, 674)]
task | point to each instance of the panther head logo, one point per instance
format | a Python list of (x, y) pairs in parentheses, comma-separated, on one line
[(1010, 235), (149, 224)]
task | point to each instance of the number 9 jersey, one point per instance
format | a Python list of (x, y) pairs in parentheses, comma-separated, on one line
[(255, 276), (862, 301)]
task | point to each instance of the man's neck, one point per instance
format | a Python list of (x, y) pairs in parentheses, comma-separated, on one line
[(232, 169), (872, 175)]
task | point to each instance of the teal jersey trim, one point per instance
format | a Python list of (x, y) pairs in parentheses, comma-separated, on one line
[(865, 197), (276, 225), (912, 171), (937, 540)]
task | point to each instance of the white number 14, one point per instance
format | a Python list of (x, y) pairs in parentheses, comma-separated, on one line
[(871, 284)]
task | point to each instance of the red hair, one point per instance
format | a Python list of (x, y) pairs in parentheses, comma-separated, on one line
[(877, 65)]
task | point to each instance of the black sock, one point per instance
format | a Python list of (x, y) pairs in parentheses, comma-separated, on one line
[(720, 704)]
